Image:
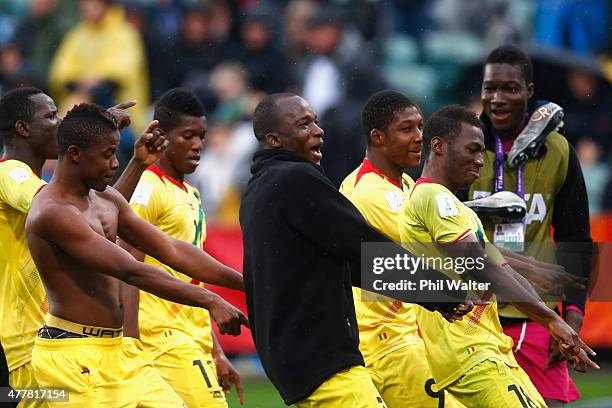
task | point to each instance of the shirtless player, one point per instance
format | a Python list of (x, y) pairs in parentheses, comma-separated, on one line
[(71, 231)]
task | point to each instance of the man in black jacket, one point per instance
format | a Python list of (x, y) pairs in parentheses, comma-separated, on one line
[(302, 249)]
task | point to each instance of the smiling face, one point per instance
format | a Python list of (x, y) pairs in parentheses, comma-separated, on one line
[(505, 95), (464, 156), (98, 163), (403, 138), (298, 131), (186, 144)]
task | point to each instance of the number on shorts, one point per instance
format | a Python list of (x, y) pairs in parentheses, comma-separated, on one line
[(203, 370), (439, 395), (523, 397)]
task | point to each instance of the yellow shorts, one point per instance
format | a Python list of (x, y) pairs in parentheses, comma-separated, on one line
[(351, 388), (494, 384), (23, 377), (101, 372), (404, 379), (193, 375)]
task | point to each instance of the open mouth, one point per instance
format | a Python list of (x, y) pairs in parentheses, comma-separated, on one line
[(500, 116), (194, 160), (315, 152)]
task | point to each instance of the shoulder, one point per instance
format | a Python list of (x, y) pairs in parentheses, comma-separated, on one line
[(16, 171), (556, 143)]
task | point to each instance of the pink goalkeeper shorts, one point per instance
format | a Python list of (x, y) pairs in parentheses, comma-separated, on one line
[(531, 342)]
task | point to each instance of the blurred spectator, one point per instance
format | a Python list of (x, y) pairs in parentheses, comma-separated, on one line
[(102, 60), (39, 34), (230, 83), (580, 25), (264, 61), (193, 54), (344, 142), (587, 109), (337, 53), (15, 71), (596, 173), (297, 14), (493, 22), (224, 169), (156, 49)]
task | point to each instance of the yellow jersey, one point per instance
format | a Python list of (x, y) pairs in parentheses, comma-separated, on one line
[(24, 303), (176, 209), (385, 325), (432, 213)]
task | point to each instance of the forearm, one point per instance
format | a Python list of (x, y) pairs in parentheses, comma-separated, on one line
[(129, 178), (158, 283), (197, 264)]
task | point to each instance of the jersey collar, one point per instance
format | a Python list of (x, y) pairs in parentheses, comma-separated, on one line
[(159, 173), (367, 167)]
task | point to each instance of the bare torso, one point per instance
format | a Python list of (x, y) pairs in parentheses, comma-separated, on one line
[(76, 293)]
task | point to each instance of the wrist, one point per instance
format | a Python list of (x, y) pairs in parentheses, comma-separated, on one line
[(210, 300), (137, 164)]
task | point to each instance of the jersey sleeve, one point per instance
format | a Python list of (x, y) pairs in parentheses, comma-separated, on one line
[(18, 186), (149, 200), (440, 213)]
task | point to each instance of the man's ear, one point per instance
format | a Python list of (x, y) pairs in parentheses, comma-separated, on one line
[(273, 140), (74, 154), (377, 138), (530, 90), (438, 145), (22, 128)]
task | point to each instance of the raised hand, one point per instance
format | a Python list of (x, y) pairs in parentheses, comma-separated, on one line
[(150, 145), (120, 113)]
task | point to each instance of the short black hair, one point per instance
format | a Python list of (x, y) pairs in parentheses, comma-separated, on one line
[(446, 124), (380, 108), (173, 104), (84, 126), (265, 117), (16, 105), (510, 54)]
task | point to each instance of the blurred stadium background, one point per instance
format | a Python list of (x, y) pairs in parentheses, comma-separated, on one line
[(335, 54)]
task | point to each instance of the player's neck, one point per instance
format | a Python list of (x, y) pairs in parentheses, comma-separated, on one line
[(170, 171), (438, 176), (68, 181), (385, 167), (24, 155)]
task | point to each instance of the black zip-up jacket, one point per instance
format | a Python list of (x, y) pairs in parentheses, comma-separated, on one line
[(302, 247)]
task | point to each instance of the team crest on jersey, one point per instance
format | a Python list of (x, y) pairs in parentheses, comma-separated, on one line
[(142, 194), (19, 175), (395, 200), (446, 206)]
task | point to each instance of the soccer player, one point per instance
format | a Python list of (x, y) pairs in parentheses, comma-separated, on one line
[(389, 341), (552, 184), (71, 231), (472, 358), (178, 338), (28, 126), (302, 252)]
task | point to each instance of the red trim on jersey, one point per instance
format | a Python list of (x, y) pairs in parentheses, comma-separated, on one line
[(368, 167), (463, 235), (157, 171), (420, 180), (3, 159)]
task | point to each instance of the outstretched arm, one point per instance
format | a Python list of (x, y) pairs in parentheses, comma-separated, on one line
[(66, 227), (179, 255)]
